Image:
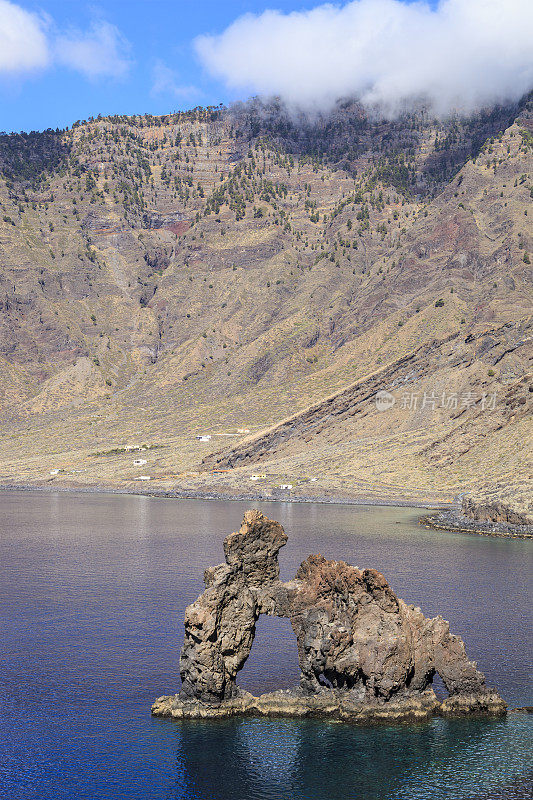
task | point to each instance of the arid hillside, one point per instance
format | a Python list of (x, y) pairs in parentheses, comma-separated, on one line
[(241, 275)]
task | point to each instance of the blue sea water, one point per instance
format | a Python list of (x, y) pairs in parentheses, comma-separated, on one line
[(93, 590)]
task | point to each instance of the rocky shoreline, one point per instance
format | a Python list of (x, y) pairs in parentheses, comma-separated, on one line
[(444, 518), (327, 703), (453, 520), (249, 496)]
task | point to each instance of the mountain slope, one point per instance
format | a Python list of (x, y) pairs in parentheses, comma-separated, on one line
[(220, 270)]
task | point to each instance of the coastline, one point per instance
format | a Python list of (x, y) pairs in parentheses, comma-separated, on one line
[(191, 494), (445, 517), (450, 520)]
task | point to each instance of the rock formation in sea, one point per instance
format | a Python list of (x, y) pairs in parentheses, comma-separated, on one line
[(363, 653)]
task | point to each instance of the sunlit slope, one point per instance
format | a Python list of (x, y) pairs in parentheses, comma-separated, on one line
[(164, 277)]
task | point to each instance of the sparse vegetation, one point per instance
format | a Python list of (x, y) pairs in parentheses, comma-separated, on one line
[(181, 249)]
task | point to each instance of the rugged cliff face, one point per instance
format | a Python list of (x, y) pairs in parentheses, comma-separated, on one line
[(358, 644), (164, 277), (492, 507)]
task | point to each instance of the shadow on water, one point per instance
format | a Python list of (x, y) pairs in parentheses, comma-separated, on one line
[(272, 759)]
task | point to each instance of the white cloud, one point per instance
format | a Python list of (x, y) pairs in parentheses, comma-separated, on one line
[(462, 55), (101, 51), (23, 41), (166, 82), (29, 42)]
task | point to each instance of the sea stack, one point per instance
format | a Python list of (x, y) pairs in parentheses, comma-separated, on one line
[(363, 653)]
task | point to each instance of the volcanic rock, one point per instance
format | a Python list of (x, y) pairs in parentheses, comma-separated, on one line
[(363, 653)]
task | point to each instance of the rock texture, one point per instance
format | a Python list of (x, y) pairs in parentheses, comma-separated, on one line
[(492, 508), (363, 652), (220, 625)]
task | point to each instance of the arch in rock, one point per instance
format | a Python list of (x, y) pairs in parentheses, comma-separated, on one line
[(353, 634)]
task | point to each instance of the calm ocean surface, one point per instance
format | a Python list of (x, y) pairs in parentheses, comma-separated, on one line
[(93, 590)]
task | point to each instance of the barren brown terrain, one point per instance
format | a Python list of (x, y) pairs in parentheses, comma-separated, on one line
[(239, 275)]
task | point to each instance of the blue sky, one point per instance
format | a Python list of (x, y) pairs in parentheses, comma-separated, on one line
[(163, 72), (63, 60)]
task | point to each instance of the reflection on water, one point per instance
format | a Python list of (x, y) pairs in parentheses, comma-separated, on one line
[(92, 597), (327, 761)]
